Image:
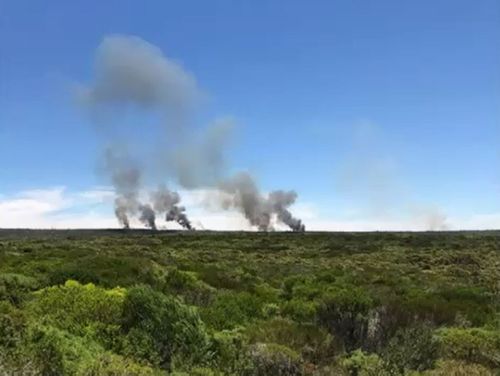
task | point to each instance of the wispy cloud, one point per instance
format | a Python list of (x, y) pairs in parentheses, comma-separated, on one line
[(54, 208), (58, 207)]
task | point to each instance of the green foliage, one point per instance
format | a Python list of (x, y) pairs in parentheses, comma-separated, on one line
[(208, 303), (231, 309), (345, 313), (474, 345), (230, 352), (187, 285), (14, 287), (313, 343), (300, 310), (109, 364), (57, 352), (85, 310), (459, 368), (443, 306), (362, 364), (159, 326), (412, 348), (12, 325), (275, 360)]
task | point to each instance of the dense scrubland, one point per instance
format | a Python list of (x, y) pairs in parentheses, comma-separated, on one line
[(203, 303)]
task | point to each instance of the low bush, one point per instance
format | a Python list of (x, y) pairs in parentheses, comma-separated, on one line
[(57, 352), (158, 326), (12, 326), (231, 309), (314, 344), (412, 348), (459, 368), (300, 310), (187, 285), (362, 364), (275, 360), (474, 345), (230, 352), (345, 313), (79, 309), (15, 287)]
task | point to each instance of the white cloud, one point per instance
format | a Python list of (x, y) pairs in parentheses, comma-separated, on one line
[(52, 208), (59, 208)]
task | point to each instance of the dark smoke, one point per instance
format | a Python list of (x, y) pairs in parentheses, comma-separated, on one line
[(242, 193), (125, 177), (166, 201), (131, 74), (280, 201), (148, 216), (177, 214)]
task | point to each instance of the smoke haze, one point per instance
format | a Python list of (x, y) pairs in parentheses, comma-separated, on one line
[(370, 175), (242, 193), (132, 73)]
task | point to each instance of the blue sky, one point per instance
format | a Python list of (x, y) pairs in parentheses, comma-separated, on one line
[(320, 90)]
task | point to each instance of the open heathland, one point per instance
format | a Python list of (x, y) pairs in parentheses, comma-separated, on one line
[(114, 302)]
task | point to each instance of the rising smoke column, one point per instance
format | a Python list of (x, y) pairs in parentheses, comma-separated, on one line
[(148, 216), (125, 177), (280, 201), (242, 193), (167, 202), (132, 74)]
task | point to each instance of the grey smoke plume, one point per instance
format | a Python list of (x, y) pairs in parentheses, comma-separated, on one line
[(370, 176), (125, 177), (129, 70), (148, 216), (432, 218), (177, 214), (242, 193), (166, 201), (132, 74), (201, 162), (280, 201)]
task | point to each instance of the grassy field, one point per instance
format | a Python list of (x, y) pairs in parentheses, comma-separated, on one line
[(118, 302)]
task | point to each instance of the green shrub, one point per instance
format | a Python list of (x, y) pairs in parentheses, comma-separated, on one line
[(109, 364), (289, 284), (266, 292), (57, 352), (313, 343), (459, 368), (362, 364), (80, 309), (230, 352), (187, 285), (275, 360), (442, 306), (474, 345), (300, 310), (412, 348), (231, 309), (21, 364), (345, 313), (163, 326), (15, 287), (197, 371), (12, 326), (75, 273)]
